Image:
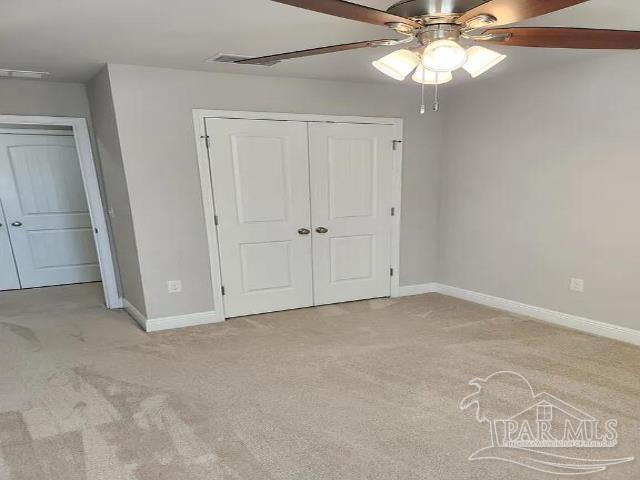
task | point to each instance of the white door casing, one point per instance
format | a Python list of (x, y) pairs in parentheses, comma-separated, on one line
[(45, 206), (260, 176), (8, 274), (351, 171)]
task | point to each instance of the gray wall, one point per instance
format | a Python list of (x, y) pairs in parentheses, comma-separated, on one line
[(543, 185), (38, 97), (115, 186), (153, 109)]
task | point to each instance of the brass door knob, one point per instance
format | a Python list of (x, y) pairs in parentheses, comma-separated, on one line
[(321, 230), (304, 231)]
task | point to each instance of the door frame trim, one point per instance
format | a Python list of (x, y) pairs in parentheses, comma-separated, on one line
[(92, 190), (199, 118)]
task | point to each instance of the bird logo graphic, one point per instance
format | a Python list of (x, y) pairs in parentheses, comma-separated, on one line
[(528, 428)]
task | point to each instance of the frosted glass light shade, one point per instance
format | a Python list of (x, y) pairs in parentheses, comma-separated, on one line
[(398, 64), (444, 56), (480, 60), (431, 78)]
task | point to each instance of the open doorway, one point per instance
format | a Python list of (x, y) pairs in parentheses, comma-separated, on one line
[(52, 225)]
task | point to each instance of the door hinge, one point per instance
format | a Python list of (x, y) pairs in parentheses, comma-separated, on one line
[(215, 220), (396, 143), (393, 211), (95, 230), (391, 271), (222, 289), (206, 140)]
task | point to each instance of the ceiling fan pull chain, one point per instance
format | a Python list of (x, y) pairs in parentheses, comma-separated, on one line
[(423, 108), (436, 102)]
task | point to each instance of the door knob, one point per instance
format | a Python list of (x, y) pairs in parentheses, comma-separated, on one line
[(321, 230), (16, 224), (304, 231)]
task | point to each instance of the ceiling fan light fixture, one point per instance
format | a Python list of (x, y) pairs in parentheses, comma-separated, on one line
[(397, 64), (481, 60), (444, 56), (427, 77)]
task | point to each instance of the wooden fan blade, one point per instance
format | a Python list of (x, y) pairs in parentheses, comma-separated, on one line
[(352, 11), (552, 37), (512, 11), (315, 51)]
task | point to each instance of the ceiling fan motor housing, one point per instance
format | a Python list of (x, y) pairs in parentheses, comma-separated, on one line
[(437, 13), (441, 31), (433, 11)]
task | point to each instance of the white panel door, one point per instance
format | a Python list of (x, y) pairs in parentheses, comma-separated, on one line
[(8, 274), (46, 210), (351, 171), (260, 174)]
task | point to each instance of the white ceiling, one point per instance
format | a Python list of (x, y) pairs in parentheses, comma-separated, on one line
[(73, 38)]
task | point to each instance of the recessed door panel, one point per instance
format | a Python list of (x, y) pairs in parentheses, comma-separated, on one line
[(352, 177), (62, 248), (351, 169), (260, 173), (352, 257), (266, 266), (47, 179), (46, 210)]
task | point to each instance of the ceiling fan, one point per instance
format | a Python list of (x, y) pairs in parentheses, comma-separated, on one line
[(436, 30)]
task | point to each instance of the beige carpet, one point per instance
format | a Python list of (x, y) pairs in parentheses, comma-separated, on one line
[(365, 390)]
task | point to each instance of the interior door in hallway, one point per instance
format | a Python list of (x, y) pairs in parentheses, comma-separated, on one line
[(351, 171), (260, 173), (46, 211)]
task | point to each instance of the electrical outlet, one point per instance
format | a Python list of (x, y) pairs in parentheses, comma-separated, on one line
[(174, 286), (576, 285)]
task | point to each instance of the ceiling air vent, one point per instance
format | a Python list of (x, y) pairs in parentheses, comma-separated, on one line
[(8, 73), (231, 58)]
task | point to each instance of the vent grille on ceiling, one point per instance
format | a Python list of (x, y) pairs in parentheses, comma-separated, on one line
[(8, 73), (231, 58)]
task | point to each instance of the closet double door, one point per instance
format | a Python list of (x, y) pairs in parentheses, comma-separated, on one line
[(303, 212)]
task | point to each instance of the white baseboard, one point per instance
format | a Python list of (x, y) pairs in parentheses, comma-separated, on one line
[(118, 303), (408, 290), (135, 313), (167, 323), (574, 322), (180, 321)]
